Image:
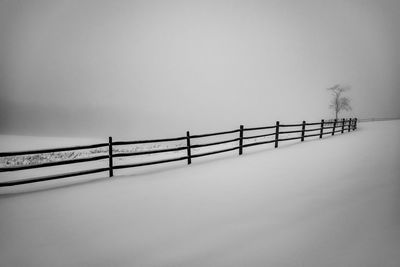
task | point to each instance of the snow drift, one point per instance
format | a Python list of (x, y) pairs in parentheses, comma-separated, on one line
[(329, 202)]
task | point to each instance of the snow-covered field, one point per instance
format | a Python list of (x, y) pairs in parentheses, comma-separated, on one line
[(329, 202)]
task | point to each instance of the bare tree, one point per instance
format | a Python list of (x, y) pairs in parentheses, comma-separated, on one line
[(338, 101)]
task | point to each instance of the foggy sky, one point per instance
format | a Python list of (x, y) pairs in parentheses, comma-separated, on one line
[(158, 68)]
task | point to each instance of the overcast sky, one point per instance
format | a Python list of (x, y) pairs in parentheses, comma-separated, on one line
[(158, 68)]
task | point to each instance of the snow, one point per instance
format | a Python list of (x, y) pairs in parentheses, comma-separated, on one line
[(21, 142), (329, 202)]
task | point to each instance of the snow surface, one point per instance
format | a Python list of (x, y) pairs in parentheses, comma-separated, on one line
[(329, 202)]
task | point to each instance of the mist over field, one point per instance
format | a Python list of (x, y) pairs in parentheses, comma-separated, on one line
[(142, 69)]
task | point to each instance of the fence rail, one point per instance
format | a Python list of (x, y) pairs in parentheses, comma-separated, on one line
[(43, 151), (333, 127)]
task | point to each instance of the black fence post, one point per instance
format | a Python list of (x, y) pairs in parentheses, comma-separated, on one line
[(349, 124), (276, 134), (303, 128), (343, 122), (110, 157), (241, 140), (189, 155), (355, 124), (334, 127), (322, 129)]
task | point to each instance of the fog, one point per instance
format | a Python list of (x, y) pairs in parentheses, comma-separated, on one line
[(158, 68)]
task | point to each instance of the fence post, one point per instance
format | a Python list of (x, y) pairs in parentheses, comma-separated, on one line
[(110, 157), (276, 134), (303, 128), (355, 124), (189, 155), (349, 124), (241, 140), (334, 127), (343, 121), (322, 129)]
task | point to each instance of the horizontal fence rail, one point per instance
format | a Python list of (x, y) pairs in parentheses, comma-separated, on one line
[(43, 151), (188, 150), (116, 155), (123, 143), (148, 163), (51, 164), (258, 136), (259, 128), (214, 134), (215, 143), (52, 177)]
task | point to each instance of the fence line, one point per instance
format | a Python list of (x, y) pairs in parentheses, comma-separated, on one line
[(337, 126)]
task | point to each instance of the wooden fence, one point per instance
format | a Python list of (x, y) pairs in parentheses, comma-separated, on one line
[(332, 127)]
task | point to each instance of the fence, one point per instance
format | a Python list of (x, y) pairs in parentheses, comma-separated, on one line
[(333, 127)]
